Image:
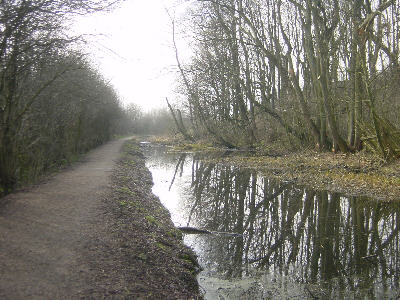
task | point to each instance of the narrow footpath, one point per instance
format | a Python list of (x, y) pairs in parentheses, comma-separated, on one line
[(44, 229), (58, 240)]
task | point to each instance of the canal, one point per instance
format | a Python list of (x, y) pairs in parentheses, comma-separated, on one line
[(275, 240)]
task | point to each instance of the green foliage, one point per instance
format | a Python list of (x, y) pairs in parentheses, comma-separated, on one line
[(142, 256), (126, 190), (151, 220), (161, 246), (124, 203)]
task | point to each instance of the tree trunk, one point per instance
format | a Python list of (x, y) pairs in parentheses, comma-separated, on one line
[(179, 123)]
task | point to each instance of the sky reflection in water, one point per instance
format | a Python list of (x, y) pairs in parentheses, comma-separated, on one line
[(297, 243)]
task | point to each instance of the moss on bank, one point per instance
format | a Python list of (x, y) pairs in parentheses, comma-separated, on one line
[(156, 263)]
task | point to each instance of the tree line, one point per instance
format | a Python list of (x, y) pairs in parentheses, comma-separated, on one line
[(314, 73), (53, 103), (156, 121)]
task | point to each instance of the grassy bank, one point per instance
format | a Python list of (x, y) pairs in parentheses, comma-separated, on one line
[(156, 264), (354, 174), (360, 174)]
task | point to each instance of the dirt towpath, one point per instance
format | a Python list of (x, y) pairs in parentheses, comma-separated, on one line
[(44, 230)]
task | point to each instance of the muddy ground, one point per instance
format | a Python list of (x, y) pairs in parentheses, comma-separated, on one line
[(94, 231)]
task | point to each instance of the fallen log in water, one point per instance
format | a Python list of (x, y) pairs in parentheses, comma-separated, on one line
[(193, 230)]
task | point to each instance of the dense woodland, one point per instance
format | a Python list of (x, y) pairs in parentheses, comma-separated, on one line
[(53, 103), (310, 73)]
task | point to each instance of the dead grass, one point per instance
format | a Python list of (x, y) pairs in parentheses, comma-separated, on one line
[(352, 174)]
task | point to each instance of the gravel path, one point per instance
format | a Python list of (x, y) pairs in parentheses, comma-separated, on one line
[(44, 230)]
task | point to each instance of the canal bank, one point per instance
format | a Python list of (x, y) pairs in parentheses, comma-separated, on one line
[(153, 260), (291, 241), (357, 174)]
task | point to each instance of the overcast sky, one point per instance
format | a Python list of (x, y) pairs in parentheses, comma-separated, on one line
[(132, 47)]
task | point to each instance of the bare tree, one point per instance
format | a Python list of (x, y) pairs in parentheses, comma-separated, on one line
[(313, 68), (35, 56)]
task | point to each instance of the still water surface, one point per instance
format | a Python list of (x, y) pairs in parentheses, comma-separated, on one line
[(294, 242)]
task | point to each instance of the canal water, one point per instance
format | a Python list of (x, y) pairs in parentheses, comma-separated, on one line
[(292, 242)]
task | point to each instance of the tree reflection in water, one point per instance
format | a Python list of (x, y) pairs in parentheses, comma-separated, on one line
[(344, 245)]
